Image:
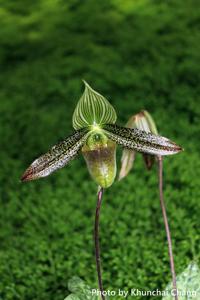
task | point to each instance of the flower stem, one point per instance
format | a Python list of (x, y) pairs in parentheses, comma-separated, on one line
[(96, 239), (167, 229)]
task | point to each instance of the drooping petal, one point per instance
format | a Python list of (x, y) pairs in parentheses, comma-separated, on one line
[(140, 140), (93, 109), (128, 157), (57, 157)]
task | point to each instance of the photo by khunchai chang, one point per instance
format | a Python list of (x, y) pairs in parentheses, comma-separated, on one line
[(96, 135), (188, 287)]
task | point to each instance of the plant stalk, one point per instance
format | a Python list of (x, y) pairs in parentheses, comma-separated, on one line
[(96, 239), (167, 229)]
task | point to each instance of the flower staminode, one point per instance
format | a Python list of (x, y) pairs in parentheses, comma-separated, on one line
[(95, 127)]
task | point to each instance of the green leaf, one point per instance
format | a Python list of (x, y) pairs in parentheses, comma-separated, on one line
[(188, 284), (72, 297), (80, 290), (77, 285), (141, 141), (93, 109), (57, 157)]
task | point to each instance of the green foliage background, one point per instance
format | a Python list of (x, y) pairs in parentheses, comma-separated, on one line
[(139, 54)]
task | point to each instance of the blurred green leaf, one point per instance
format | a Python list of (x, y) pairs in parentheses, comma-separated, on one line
[(188, 284), (72, 297), (80, 290)]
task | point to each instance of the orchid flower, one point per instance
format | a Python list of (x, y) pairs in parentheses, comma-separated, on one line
[(96, 135), (145, 122)]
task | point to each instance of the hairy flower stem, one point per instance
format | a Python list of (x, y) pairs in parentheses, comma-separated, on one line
[(96, 239), (167, 229)]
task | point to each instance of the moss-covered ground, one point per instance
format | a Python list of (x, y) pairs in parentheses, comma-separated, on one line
[(139, 54)]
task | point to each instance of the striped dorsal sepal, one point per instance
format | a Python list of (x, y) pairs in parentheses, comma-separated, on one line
[(93, 109)]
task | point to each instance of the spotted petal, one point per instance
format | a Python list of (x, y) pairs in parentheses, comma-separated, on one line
[(57, 157), (140, 140), (93, 109)]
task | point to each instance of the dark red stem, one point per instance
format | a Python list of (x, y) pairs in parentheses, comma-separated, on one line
[(167, 229), (96, 239)]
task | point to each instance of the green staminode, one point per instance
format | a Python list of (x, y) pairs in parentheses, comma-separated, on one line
[(93, 109)]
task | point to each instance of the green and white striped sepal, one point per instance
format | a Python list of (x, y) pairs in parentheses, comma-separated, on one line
[(93, 109)]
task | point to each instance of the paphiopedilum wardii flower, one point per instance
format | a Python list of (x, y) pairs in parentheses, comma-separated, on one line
[(97, 135), (144, 121)]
